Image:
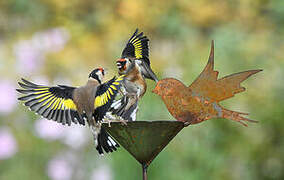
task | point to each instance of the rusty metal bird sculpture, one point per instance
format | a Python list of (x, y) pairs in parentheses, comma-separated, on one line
[(200, 101)]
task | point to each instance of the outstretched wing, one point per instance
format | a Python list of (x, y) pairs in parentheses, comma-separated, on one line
[(54, 103), (105, 95), (137, 47), (208, 84)]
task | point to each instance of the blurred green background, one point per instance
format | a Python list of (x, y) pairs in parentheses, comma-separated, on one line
[(52, 42)]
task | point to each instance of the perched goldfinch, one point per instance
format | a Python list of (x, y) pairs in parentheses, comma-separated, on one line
[(137, 49), (135, 65), (66, 105)]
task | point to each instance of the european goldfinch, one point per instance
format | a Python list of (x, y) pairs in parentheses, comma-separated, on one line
[(135, 65), (66, 104)]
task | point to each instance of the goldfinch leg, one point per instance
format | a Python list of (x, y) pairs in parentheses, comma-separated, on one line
[(109, 123), (123, 122)]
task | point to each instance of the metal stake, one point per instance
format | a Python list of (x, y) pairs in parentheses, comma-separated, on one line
[(144, 170)]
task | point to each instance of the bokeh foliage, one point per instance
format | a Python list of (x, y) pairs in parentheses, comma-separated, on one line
[(248, 34)]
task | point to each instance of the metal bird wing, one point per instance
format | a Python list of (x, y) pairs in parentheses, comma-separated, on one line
[(207, 84), (54, 103), (105, 96)]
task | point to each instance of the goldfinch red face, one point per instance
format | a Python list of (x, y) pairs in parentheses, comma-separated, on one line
[(98, 74), (123, 64)]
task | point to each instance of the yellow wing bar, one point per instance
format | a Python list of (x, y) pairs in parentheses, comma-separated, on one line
[(108, 91), (54, 103), (138, 46)]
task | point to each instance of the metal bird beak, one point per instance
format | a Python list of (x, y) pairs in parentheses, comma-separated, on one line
[(159, 89), (155, 90)]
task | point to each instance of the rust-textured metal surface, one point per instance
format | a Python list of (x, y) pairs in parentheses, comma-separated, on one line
[(200, 101), (144, 140)]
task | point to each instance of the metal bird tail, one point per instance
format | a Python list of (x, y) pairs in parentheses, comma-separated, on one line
[(236, 116)]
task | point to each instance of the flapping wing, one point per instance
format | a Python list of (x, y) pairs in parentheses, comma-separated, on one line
[(216, 89), (105, 96), (54, 103), (137, 47)]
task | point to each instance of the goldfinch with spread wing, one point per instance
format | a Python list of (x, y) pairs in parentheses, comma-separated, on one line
[(135, 65), (137, 49), (66, 104)]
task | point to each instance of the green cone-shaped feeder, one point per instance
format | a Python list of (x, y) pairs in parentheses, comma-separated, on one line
[(144, 140)]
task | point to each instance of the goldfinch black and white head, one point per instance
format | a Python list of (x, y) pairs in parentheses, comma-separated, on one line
[(97, 74)]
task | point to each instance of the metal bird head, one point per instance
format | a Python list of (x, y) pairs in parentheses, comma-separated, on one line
[(97, 74), (167, 87)]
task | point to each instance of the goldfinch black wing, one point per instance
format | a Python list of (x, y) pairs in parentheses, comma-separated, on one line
[(137, 47), (54, 103), (105, 96)]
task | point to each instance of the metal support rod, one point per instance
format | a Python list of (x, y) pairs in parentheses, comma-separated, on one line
[(144, 170)]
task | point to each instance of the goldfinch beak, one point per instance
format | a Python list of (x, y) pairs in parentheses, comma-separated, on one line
[(119, 64)]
